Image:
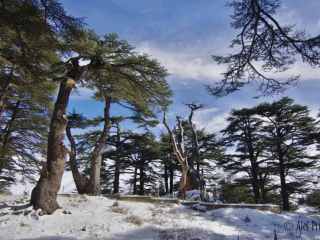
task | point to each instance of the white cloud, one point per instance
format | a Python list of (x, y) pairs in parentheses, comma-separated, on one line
[(185, 66), (210, 119), (191, 66)]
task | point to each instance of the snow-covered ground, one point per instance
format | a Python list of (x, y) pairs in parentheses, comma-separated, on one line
[(23, 185), (100, 218)]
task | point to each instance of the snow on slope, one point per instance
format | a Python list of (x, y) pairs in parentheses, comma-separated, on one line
[(24, 186), (85, 217), (67, 183)]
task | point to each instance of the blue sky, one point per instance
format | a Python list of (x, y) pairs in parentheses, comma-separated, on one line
[(182, 35)]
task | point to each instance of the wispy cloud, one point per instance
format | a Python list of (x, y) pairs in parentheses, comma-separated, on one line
[(184, 66), (191, 66), (210, 119)]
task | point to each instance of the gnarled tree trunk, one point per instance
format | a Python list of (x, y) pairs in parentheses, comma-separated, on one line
[(44, 195), (179, 152), (99, 148), (197, 181)]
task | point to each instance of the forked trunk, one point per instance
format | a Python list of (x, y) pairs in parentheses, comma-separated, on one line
[(180, 154), (44, 195), (99, 148), (84, 184)]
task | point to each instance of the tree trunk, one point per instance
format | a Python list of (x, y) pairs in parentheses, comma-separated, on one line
[(80, 180), (263, 193), (99, 148), (116, 177), (283, 185), (253, 165), (44, 195), (255, 183), (171, 180), (195, 143), (135, 180), (262, 186), (141, 179), (184, 182), (116, 181), (256, 192), (83, 184), (165, 176), (284, 192)]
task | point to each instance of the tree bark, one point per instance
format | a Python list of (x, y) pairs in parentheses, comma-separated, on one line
[(135, 180), (195, 142), (284, 192), (171, 180), (99, 148), (179, 152), (184, 182), (165, 176), (255, 182), (141, 179), (80, 180), (116, 180), (283, 184), (44, 195)]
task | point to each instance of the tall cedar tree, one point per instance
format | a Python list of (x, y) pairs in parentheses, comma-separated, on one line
[(34, 35), (119, 154), (98, 62), (145, 154), (244, 134), (132, 80), (289, 134)]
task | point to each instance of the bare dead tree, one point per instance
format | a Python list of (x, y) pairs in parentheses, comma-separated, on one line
[(264, 45), (179, 152), (195, 142), (196, 175)]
